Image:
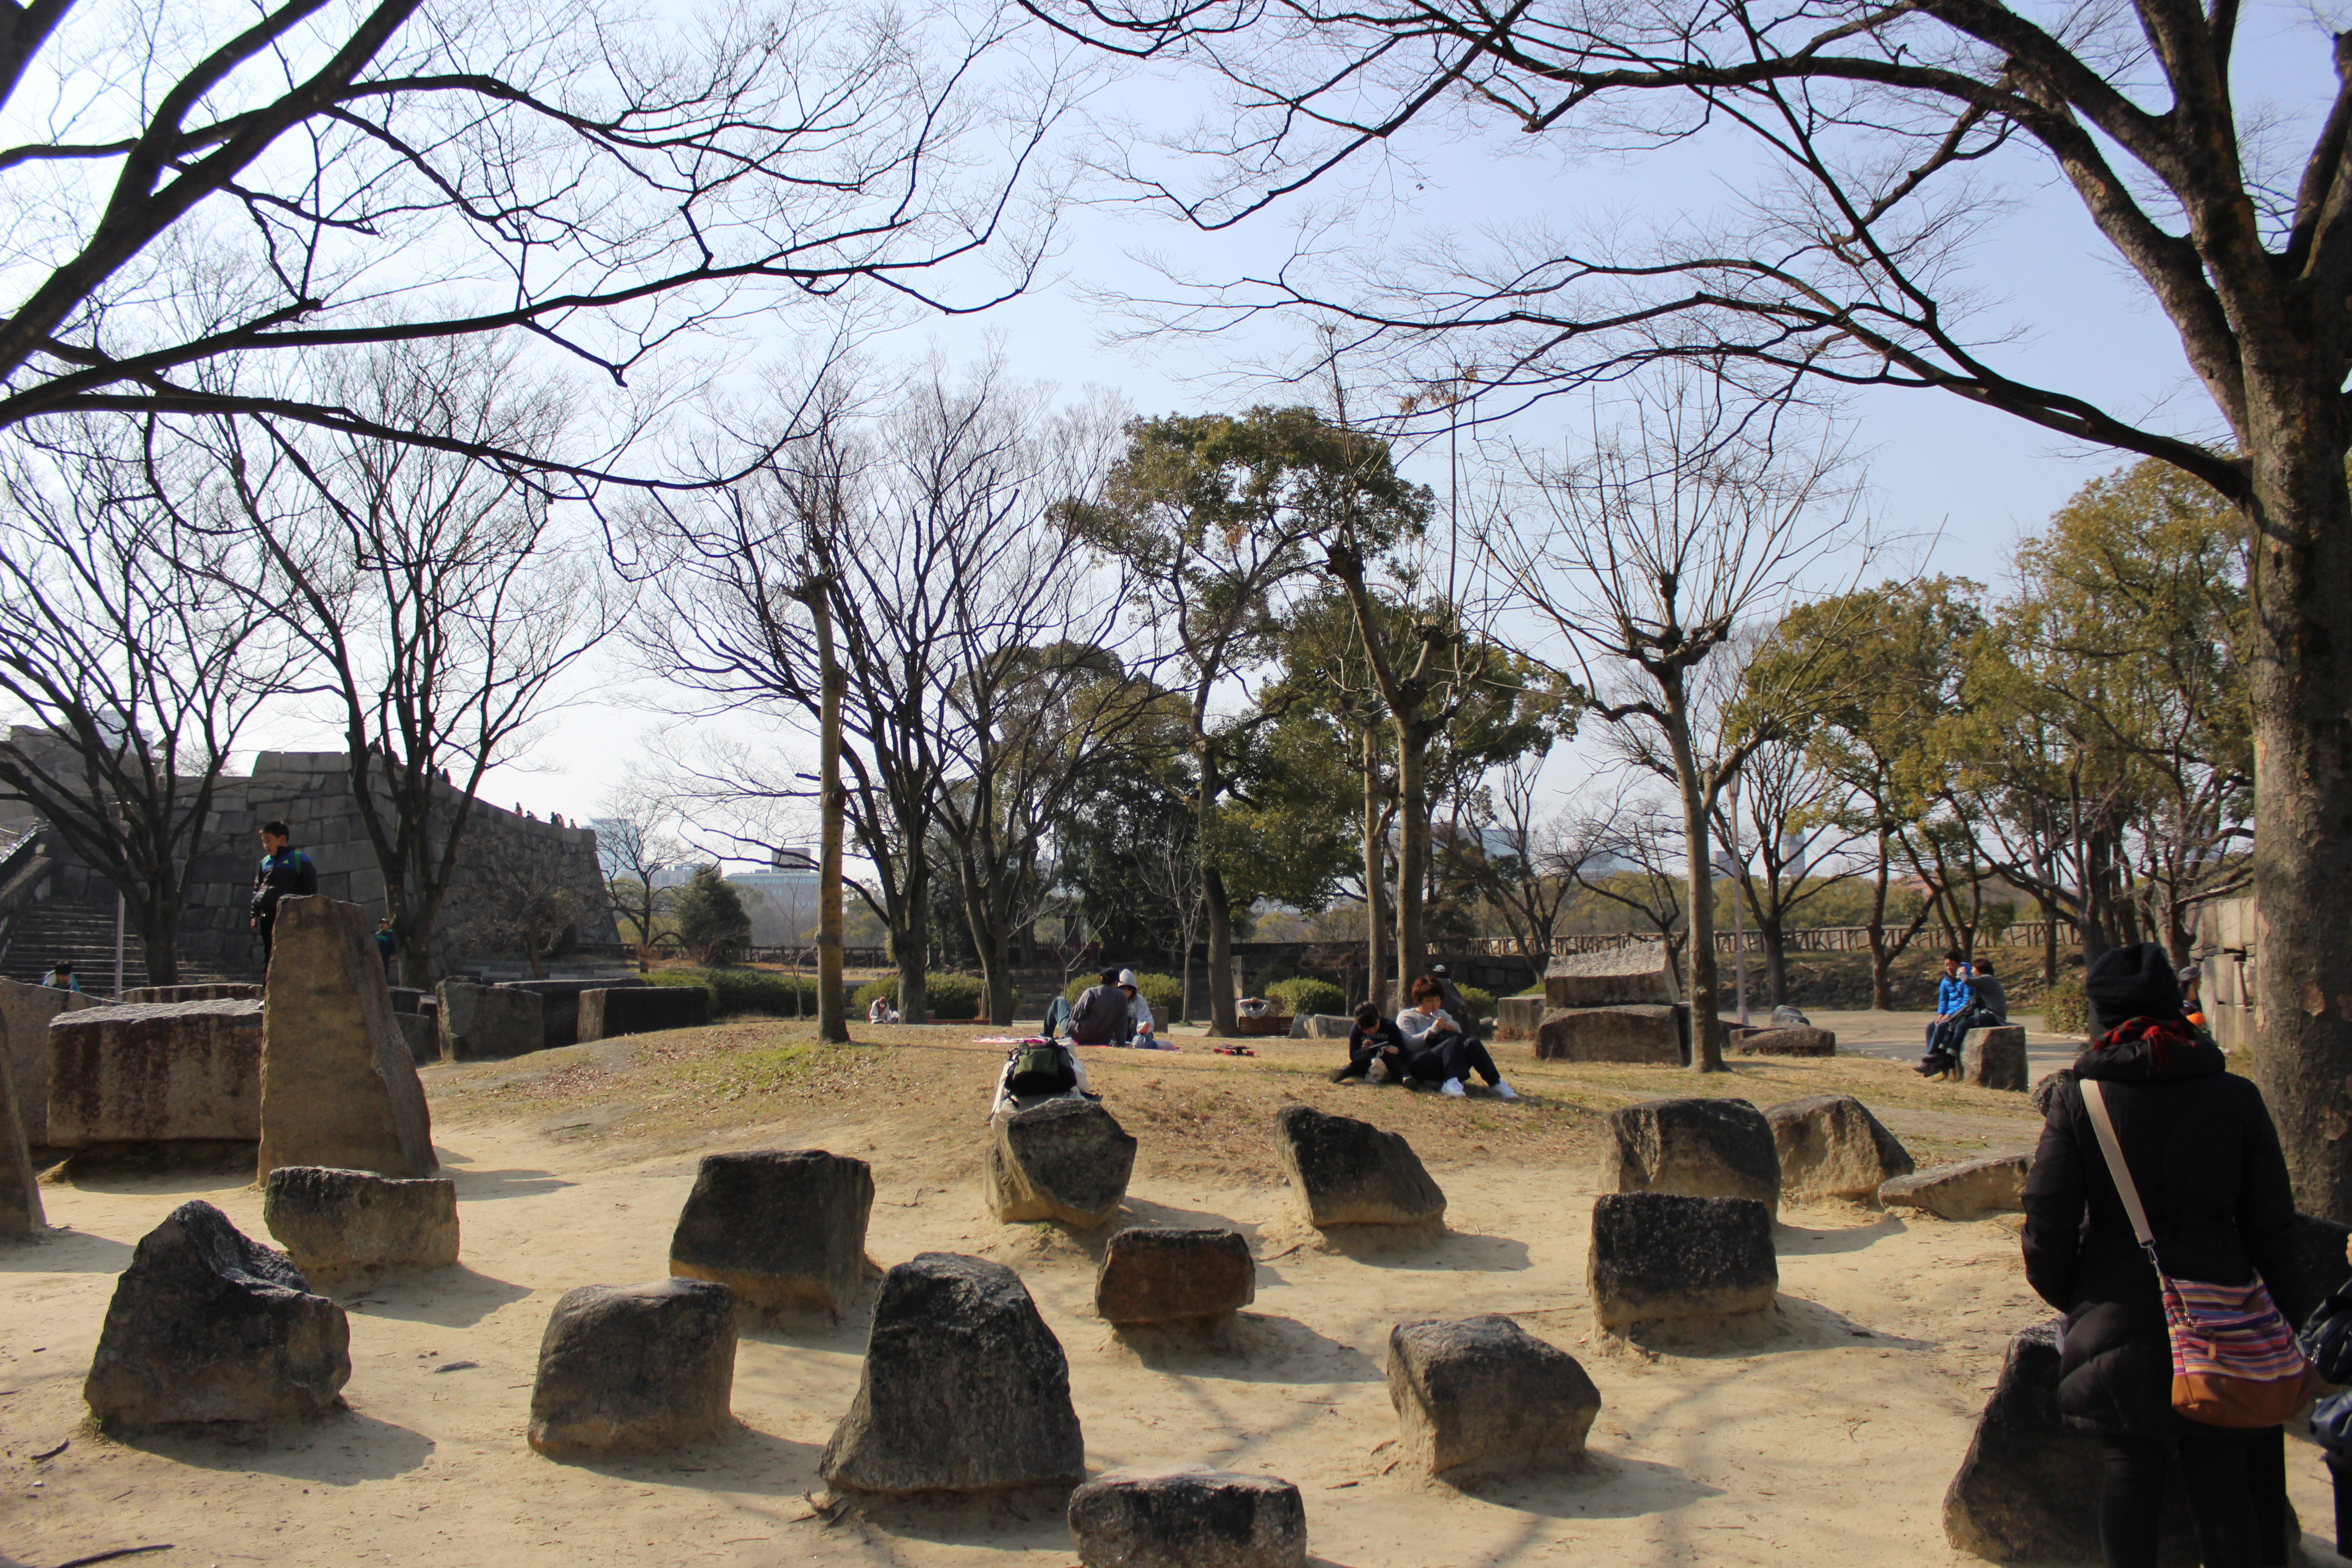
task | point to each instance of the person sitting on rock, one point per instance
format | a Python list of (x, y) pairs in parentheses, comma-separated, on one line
[(1374, 1038), (1100, 1013), (1438, 1052), (1955, 999), (1988, 1005)]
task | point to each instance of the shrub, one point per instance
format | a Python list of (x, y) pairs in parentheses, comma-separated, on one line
[(1305, 994), (948, 996), (747, 992), (1481, 1001), (2064, 1009)]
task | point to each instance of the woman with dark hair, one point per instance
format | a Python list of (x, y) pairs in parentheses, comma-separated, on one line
[(1437, 1051), (2199, 1147)]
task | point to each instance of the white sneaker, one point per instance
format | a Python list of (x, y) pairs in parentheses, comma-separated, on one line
[(1453, 1086), (1504, 1092)]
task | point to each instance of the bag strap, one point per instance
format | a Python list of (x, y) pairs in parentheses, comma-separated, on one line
[(2096, 1104)]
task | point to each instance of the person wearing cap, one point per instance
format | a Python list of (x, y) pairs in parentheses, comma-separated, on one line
[(2200, 1147), (1140, 1022), (1100, 1013)]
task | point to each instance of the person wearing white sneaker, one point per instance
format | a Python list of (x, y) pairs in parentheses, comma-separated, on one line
[(1440, 1053), (1451, 1087)]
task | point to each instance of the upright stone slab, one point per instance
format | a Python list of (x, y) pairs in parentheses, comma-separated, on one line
[(1345, 1172), (1188, 1517), (24, 1015), (1321, 1026), (1664, 1257), (339, 1223), (207, 1324), (1636, 974), (1700, 1148), (779, 1227), (1516, 1017), (965, 1389), (20, 1196), (560, 1004), (1831, 1146), (155, 1073), (486, 1023), (634, 1369), (1994, 1058), (1067, 1160), (421, 1035), (338, 1085), (613, 1011), (1483, 1394), (1649, 1034)]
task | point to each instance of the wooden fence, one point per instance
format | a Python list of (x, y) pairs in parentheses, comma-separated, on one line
[(1810, 938)]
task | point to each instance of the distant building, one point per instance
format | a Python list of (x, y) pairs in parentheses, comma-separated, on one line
[(782, 899)]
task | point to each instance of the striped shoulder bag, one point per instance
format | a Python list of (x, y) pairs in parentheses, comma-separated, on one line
[(2234, 1359)]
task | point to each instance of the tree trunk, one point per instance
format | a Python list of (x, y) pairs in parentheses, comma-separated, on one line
[(2299, 676), (910, 938), (1375, 878), (1225, 1012), (2049, 938), (1707, 1030), (832, 1005), (1772, 939), (161, 952), (1882, 994), (1413, 851)]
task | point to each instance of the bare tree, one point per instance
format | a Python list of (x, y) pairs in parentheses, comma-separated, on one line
[(1629, 851), (1786, 824), (135, 668), (635, 843), (517, 898), (1519, 861)]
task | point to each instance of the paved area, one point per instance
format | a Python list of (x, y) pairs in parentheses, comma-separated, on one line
[(1902, 1036)]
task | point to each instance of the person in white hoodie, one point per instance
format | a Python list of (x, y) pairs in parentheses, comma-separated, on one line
[(1441, 1053), (1140, 1022)]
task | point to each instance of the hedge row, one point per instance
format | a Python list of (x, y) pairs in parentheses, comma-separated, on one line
[(945, 995), (757, 993)]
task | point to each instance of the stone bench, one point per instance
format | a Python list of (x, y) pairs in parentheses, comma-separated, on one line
[(608, 1012), (486, 1023), (1345, 1172), (560, 1004), (1700, 1148), (156, 1072), (1516, 1017), (1994, 1058), (206, 991)]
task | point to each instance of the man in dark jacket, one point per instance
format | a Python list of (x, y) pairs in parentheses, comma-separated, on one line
[(284, 869), (1375, 1038), (1101, 1012), (2202, 1152)]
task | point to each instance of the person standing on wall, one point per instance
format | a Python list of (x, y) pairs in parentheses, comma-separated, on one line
[(284, 869)]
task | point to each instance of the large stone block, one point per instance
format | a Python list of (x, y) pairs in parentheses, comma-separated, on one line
[(1321, 1026), (1484, 1392), (1651, 1034), (560, 1004), (201, 991), (1831, 1146), (610, 1012), (338, 1084), (634, 1369), (163, 1072), (338, 1223), (24, 1015), (1635, 974), (1174, 1276), (1786, 1042), (20, 1196), (1664, 1257), (486, 1023), (779, 1227), (1969, 1189), (422, 1036), (1345, 1172), (965, 1389), (1994, 1058), (1066, 1160), (1189, 1517), (1517, 1017), (1699, 1148), (207, 1324)]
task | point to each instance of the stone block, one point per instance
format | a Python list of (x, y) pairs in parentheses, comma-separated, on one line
[(1994, 1058), (338, 1223), (1483, 1393), (1321, 1026), (207, 1324), (1517, 1017), (1831, 1146), (1188, 1517), (1664, 1257), (634, 1369), (779, 1227), (1696, 1147), (1650, 1035), (1174, 1276), (24, 1015), (1636, 975), (610, 1012), (1067, 1160), (20, 1196), (163, 1072), (339, 1087), (1788, 1042), (1345, 1172), (205, 991), (964, 1390), (422, 1036), (560, 1004), (486, 1023), (1969, 1189), (407, 999)]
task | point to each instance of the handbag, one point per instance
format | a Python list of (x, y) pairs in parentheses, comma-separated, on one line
[(2236, 1362), (2327, 1338)]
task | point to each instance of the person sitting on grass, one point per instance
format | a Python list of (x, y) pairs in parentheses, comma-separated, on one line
[(1141, 1022), (1100, 1013), (881, 1012), (1438, 1051), (1375, 1038)]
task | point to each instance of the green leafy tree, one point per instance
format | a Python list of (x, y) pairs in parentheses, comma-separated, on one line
[(710, 918)]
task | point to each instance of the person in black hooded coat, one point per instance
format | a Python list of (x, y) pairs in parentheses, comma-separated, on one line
[(2202, 1152)]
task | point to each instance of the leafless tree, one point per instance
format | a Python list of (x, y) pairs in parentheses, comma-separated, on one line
[(517, 899), (1521, 861), (1785, 825), (1629, 851), (636, 843)]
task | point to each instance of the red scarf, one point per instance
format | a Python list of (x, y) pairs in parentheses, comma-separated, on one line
[(2162, 1034)]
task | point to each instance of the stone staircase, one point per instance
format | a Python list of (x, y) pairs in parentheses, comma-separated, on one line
[(79, 929)]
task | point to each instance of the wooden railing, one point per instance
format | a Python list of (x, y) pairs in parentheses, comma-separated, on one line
[(1809, 939)]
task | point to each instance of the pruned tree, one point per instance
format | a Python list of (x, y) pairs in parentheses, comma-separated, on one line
[(1628, 850), (1518, 859), (635, 843)]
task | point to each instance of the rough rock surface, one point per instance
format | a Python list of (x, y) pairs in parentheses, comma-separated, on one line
[(338, 1086), (1345, 1172), (20, 1196), (1994, 1058), (1484, 1391), (1650, 1034), (1189, 1517), (207, 1324), (1968, 1190), (1664, 1257), (1788, 1041), (337, 1224), (1831, 1146), (1787, 1015), (24, 1015), (779, 1227), (965, 1389), (486, 1023), (1321, 1026), (1699, 1148), (1517, 1017), (200, 991), (634, 1369), (1174, 1276), (161, 1072), (1633, 974), (421, 1034), (613, 1011), (1067, 1160)]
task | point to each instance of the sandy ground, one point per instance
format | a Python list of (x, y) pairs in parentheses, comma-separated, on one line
[(1829, 1428)]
